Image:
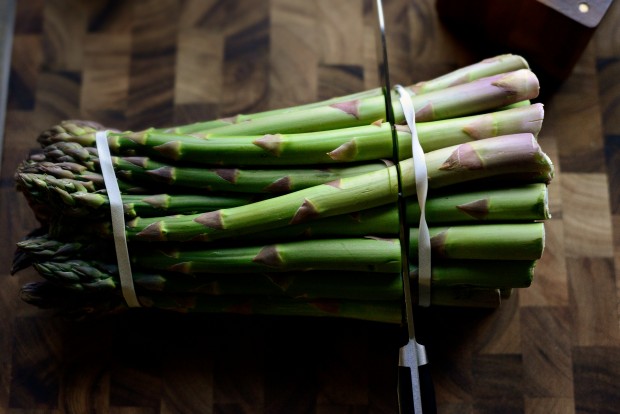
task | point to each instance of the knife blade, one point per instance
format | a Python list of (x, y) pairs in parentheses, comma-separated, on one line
[(415, 387), (7, 23)]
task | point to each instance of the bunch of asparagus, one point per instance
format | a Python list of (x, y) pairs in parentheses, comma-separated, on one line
[(293, 211)]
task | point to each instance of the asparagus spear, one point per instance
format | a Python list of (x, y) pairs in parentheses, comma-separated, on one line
[(474, 97), (522, 241), (374, 310), (502, 64), (64, 194), (97, 277), (147, 172), (524, 202), (488, 67), (488, 242), (448, 166), (78, 303), (42, 248), (144, 171), (70, 171), (519, 203), (353, 144), (39, 187)]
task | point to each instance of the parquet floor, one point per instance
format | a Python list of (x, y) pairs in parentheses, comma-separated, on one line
[(553, 348)]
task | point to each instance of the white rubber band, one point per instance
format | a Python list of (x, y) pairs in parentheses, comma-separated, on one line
[(118, 219), (421, 181)]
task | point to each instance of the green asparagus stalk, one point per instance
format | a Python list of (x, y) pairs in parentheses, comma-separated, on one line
[(68, 129), (162, 204), (439, 134), (77, 304), (516, 203), (48, 295), (354, 144), (69, 171), (367, 107), (39, 186), (484, 242), (488, 67), (57, 193), (99, 277), (466, 162), (519, 203), (376, 311), (521, 241), (61, 170), (42, 200), (142, 171), (65, 170), (474, 97), (518, 241), (145, 172), (64, 194), (42, 248), (71, 152), (327, 147)]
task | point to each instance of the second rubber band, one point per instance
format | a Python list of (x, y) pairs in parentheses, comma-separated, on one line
[(421, 180)]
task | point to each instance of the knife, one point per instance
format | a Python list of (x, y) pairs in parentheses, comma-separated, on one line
[(7, 22), (415, 387)]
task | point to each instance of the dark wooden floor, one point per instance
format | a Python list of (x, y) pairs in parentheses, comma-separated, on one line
[(553, 348)]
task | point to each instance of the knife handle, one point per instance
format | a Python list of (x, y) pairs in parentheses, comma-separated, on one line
[(427, 391)]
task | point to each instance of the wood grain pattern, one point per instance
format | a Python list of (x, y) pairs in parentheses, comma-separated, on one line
[(552, 348), (590, 235)]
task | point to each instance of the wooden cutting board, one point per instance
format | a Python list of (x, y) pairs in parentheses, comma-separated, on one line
[(553, 348)]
